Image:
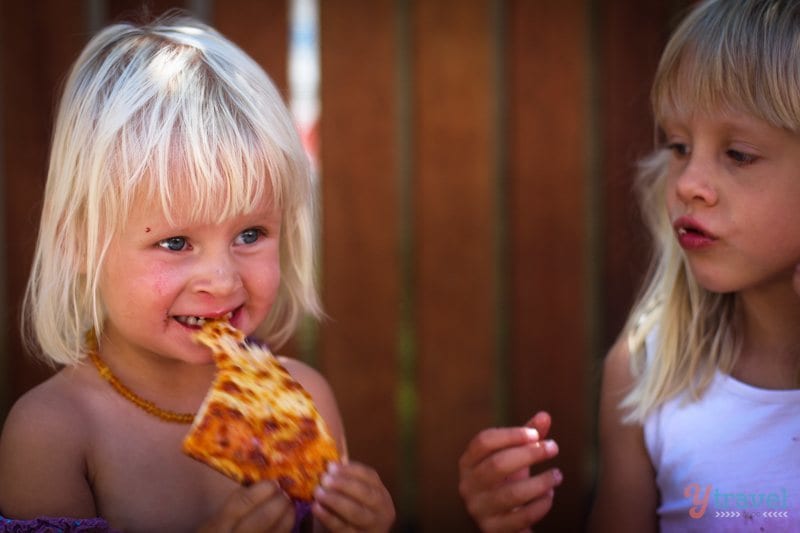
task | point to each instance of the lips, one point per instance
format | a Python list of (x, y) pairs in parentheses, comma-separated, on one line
[(691, 235)]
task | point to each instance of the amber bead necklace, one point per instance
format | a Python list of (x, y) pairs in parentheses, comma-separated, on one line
[(125, 392)]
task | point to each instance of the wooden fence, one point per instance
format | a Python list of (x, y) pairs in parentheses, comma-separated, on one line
[(480, 243)]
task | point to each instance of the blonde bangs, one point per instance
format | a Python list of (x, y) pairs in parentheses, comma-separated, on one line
[(192, 146), (734, 56)]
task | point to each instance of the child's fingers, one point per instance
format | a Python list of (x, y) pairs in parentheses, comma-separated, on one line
[(329, 520), (343, 508), (520, 493), (519, 519), (491, 440), (265, 500), (354, 495), (352, 491), (522, 473), (245, 499), (494, 469), (541, 421), (274, 516), (355, 470), (358, 482)]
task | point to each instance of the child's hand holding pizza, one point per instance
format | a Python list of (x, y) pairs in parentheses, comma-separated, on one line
[(352, 497), (258, 423), (257, 508)]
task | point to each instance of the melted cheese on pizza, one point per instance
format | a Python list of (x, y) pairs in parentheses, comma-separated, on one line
[(257, 422)]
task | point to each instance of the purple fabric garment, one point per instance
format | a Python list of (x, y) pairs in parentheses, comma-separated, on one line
[(98, 525), (55, 525), (301, 511)]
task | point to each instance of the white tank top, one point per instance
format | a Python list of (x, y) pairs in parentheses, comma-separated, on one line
[(729, 461)]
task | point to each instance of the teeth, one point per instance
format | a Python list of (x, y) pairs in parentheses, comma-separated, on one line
[(199, 320), (682, 231)]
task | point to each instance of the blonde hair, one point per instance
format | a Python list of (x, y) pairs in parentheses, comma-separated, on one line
[(725, 55), (160, 109)]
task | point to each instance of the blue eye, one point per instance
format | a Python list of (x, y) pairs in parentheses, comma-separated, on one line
[(174, 244), (249, 236)]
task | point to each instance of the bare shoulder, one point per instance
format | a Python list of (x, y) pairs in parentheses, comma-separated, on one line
[(43, 452), (625, 466), (52, 410), (319, 389)]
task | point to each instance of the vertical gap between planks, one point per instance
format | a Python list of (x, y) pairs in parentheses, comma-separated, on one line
[(406, 341)]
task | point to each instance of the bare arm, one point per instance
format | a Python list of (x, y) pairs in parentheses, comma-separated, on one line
[(42, 460), (627, 496)]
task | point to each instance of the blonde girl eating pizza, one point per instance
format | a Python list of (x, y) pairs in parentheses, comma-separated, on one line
[(177, 192)]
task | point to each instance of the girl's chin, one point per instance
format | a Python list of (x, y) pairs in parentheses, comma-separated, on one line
[(713, 281), (197, 358)]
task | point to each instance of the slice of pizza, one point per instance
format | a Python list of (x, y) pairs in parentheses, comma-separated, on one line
[(257, 422)]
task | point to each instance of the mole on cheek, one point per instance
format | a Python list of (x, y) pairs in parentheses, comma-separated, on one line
[(147, 230)]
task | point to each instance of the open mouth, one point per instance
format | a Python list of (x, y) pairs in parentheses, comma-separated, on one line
[(199, 321), (691, 231), (687, 225), (691, 236)]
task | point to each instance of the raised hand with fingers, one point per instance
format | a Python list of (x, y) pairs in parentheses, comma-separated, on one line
[(496, 484)]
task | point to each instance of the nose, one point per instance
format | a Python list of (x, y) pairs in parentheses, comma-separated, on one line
[(217, 274), (695, 181)]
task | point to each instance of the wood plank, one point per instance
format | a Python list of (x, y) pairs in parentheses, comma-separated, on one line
[(548, 84), (360, 226), (139, 10), (454, 293), (40, 40), (260, 28)]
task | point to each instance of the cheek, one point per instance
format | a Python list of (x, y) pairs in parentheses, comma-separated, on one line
[(271, 278), (669, 194), (140, 283), (781, 231), (266, 278), (161, 280), (152, 280)]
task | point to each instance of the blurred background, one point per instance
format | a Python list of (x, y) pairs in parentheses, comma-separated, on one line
[(480, 243)]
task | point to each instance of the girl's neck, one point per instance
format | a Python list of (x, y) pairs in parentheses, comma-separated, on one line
[(177, 385), (770, 356)]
